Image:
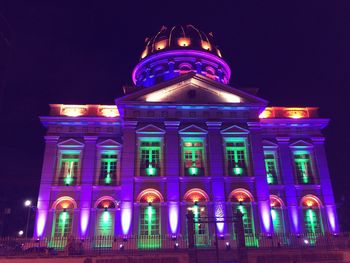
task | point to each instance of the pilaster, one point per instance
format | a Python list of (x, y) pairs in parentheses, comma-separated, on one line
[(47, 178), (325, 182), (259, 171), (172, 161), (287, 172)]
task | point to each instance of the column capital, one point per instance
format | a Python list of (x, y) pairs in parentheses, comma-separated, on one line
[(130, 124), (51, 138), (90, 138), (172, 124), (318, 140), (282, 139), (213, 124)]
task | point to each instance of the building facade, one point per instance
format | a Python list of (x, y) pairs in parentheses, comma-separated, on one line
[(183, 139)]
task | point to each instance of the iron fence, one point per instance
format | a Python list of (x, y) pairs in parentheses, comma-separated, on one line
[(134, 244)]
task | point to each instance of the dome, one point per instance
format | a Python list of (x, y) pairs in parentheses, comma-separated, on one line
[(178, 50)]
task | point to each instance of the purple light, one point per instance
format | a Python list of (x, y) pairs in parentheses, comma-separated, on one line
[(166, 54), (84, 221), (126, 214), (219, 214), (266, 217), (173, 217), (331, 218), (40, 223)]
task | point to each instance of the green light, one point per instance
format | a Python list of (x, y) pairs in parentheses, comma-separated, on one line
[(193, 170), (276, 220), (68, 179), (237, 170), (270, 179), (149, 213), (106, 216), (108, 179), (63, 218), (305, 177), (151, 171)]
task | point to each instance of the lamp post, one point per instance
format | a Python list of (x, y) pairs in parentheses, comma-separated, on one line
[(28, 203)]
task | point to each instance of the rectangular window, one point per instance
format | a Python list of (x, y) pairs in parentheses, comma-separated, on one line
[(271, 167), (69, 169), (237, 158), (108, 174), (150, 152), (304, 168), (193, 158)]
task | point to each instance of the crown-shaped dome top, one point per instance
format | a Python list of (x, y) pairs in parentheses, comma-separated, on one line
[(180, 37), (179, 50)]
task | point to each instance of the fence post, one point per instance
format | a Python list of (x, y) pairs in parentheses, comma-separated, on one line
[(190, 229), (239, 229)]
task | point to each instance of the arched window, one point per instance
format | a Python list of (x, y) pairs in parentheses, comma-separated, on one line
[(242, 201), (277, 214), (312, 215), (105, 217), (149, 218), (63, 218), (197, 203)]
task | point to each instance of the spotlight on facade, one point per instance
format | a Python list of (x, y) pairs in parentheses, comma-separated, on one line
[(222, 237), (306, 242), (227, 246), (20, 233), (173, 237), (176, 245), (27, 203), (121, 247)]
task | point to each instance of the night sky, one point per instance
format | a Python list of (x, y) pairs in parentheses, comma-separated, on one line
[(296, 54)]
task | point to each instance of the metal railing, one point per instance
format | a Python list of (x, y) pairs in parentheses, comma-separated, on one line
[(99, 245)]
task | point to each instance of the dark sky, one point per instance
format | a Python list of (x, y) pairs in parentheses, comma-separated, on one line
[(73, 52)]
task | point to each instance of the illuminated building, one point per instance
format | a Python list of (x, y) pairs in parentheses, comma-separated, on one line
[(183, 139)]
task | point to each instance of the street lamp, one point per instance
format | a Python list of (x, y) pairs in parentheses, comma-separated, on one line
[(20, 233), (28, 203)]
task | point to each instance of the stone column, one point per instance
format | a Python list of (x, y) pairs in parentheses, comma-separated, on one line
[(47, 178), (87, 180), (216, 165), (127, 176), (172, 170), (325, 182), (287, 172), (259, 172)]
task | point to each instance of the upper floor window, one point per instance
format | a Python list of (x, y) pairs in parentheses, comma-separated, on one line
[(193, 157), (271, 165), (304, 169), (150, 156), (236, 157), (108, 172), (69, 169)]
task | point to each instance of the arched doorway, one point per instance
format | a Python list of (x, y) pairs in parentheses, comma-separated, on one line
[(312, 217), (241, 200), (105, 218), (196, 201), (277, 214), (149, 219)]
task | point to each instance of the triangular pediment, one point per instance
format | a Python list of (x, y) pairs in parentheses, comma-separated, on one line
[(269, 144), (301, 144), (150, 129), (70, 143), (109, 143), (192, 89), (193, 129), (234, 129)]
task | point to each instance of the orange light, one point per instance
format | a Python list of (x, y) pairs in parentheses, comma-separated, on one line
[(161, 44), (108, 111), (144, 53), (309, 203), (73, 110), (295, 113), (206, 45), (183, 42), (267, 113)]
